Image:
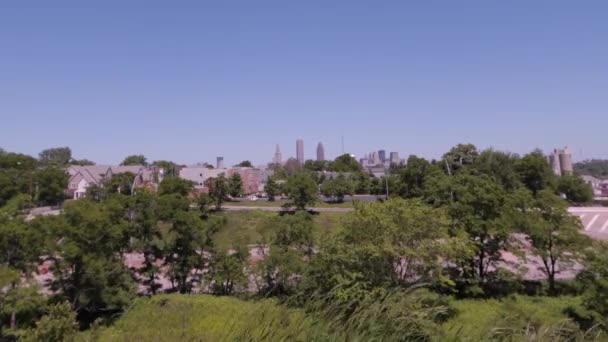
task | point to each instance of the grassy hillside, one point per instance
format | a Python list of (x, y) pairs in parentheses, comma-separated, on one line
[(241, 226), (476, 320), (209, 318)]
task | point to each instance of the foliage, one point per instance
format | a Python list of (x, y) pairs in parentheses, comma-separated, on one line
[(397, 243), (460, 156), (135, 159), (218, 190), (595, 167), (291, 167), (290, 238), (169, 167), (301, 190), (555, 235), (476, 211), (58, 156), (574, 188), (227, 271), (535, 172), (272, 189), (208, 318), (58, 325), (187, 244), (81, 162), (345, 163), (87, 270), (175, 185), (337, 188), (244, 163), (144, 228), (235, 185)]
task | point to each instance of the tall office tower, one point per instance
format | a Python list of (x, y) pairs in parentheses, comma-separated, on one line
[(300, 150), (320, 152), (278, 159), (375, 159), (565, 160), (382, 154), (394, 157), (219, 163)]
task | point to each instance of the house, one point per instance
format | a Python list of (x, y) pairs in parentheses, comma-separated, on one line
[(82, 177)]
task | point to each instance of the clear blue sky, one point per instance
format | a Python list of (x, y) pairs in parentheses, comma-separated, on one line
[(188, 81)]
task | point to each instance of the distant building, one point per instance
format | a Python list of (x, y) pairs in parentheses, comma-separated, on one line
[(394, 158), (82, 177), (199, 174), (219, 163), (300, 151), (278, 159), (561, 161), (382, 155), (375, 158), (320, 152)]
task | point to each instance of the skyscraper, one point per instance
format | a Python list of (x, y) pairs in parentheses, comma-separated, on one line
[(278, 159), (320, 152), (300, 150), (395, 158), (382, 155), (219, 163)]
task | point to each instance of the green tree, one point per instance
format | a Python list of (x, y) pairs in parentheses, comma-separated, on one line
[(272, 189), (175, 185), (476, 211), (460, 156), (345, 163), (554, 234), (574, 188), (88, 270), (535, 172), (301, 190), (292, 166), (244, 163), (226, 274), (81, 162), (414, 177), (58, 325), (120, 183), (204, 202), (169, 167), (499, 165), (58, 156), (187, 245), (136, 159), (398, 243), (51, 184), (337, 188), (235, 185), (147, 238), (595, 167), (291, 242), (218, 190)]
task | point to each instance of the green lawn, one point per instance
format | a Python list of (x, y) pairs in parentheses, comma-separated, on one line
[(475, 319), (348, 204), (241, 226)]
